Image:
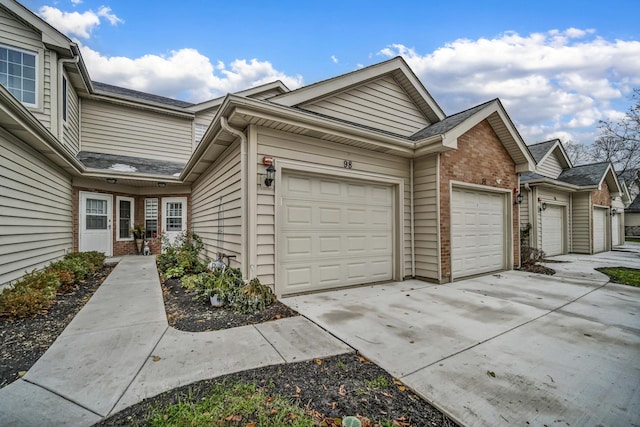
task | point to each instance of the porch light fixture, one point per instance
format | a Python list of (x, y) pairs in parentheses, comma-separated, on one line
[(162, 184), (271, 173), (112, 180), (614, 211), (518, 199), (544, 206)]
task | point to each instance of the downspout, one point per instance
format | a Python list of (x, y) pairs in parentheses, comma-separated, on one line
[(243, 191), (59, 120), (413, 241)]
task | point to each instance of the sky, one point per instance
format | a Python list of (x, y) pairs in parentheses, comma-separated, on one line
[(559, 67)]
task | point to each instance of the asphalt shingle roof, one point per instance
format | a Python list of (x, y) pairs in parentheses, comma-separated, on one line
[(448, 123), (129, 164), (141, 96), (635, 205), (584, 175), (539, 150)]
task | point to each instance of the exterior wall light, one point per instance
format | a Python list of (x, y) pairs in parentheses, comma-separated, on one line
[(112, 180), (518, 199), (162, 184), (544, 206), (270, 177), (614, 211)]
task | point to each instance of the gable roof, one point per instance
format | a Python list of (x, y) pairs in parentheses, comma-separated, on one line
[(448, 123), (585, 175), (396, 67), (542, 150), (634, 206), (135, 95)]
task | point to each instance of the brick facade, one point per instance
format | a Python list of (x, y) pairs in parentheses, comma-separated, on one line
[(480, 159), (125, 247)]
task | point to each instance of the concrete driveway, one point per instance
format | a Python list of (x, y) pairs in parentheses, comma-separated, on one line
[(510, 348)]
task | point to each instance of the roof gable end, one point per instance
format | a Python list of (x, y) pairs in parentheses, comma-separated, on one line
[(395, 70)]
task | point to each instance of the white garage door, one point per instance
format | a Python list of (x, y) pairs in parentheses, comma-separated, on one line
[(599, 231), (615, 229), (553, 230), (333, 232), (477, 232)]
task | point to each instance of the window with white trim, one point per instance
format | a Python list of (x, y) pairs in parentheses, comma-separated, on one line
[(199, 132), (18, 73), (124, 217), (151, 218)]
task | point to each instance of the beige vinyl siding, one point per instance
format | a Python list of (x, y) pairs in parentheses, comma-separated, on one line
[(35, 210), (281, 145), (425, 184), (71, 129), (266, 94), (550, 167), (581, 240), (16, 34), (216, 213), (114, 129), (524, 208), (380, 104)]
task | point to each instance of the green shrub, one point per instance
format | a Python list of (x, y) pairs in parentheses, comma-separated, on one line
[(94, 259), (252, 297), (182, 256), (66, 277), (28, 296), (79, 267)]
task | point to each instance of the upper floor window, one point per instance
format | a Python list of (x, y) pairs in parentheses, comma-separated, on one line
[(199, 132), (18, 73)]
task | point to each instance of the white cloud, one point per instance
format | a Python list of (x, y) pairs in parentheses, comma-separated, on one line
[(184, 74), (76, 23), (553, 83), (76, 2), (334, 59)]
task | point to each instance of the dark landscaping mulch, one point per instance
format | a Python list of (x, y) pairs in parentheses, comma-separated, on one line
[(537, 268), (23, 341), (327, 389), (186, 314)]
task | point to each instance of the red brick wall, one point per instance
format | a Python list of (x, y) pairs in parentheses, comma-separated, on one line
[(126, 247), (601, 197), (480, 159)]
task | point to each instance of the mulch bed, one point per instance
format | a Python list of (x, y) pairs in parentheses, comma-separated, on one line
[(537, 268), (23, 341), (327, 389)]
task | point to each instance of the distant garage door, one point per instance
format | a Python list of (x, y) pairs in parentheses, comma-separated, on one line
[(333, 232), (615, 230), (599, 230), (477, 232), (553, 230)]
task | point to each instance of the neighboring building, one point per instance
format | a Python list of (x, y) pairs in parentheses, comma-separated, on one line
[(571, 208), (373, 181), (631, 181)]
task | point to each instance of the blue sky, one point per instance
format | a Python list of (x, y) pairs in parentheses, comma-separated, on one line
[(558, 66)]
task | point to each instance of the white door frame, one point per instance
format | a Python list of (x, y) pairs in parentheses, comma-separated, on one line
[(83, 234), (172, 235)]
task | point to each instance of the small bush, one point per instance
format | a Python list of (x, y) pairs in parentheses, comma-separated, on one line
[(183, 256), (66, 278), (28, 296), (79, 267), (252, 297), (530, 256)]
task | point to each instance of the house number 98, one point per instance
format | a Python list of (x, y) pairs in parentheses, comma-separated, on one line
[(347, 164)]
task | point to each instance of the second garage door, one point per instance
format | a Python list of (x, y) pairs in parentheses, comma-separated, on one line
[(553, 230), (615, 230), (333, 232), (477, 232)]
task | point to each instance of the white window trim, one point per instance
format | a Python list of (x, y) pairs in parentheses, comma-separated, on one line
[(146, 215), (38, 68), (132, 204)]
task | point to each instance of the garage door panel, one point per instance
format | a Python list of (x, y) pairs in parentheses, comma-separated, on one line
[(553, 230), (599, 232), (615, 230), (337, 233), (477, 232)]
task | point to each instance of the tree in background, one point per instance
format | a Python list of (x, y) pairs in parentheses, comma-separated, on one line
[(619, 142)]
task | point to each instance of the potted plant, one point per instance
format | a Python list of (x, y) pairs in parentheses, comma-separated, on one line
[(138, 235)]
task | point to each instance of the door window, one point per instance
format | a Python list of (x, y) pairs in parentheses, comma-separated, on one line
[(174, 216), (96, 214)]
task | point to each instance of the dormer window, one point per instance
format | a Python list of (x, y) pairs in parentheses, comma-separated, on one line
[(18, 73)]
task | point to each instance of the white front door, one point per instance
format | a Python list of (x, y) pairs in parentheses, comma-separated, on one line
[(95, 222), (174, 217)]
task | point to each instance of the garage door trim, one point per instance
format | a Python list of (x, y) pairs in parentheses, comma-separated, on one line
[(284, 166), (507, 215)]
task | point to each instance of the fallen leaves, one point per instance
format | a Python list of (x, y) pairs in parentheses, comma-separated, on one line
[(156, 358), (318, 362), (363, 360), (491, 374), (342, 391), (401, 386)]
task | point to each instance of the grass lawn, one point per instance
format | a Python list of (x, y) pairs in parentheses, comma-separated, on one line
[(626, 276), (632, 239)]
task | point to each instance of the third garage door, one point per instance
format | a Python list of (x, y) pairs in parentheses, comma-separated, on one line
[(333, 232), (477, 232)]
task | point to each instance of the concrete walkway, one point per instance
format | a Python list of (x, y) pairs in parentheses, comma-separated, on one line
[(120, 350), (507, 349)]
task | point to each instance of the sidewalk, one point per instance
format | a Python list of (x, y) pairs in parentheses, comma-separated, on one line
[(120, 350)]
